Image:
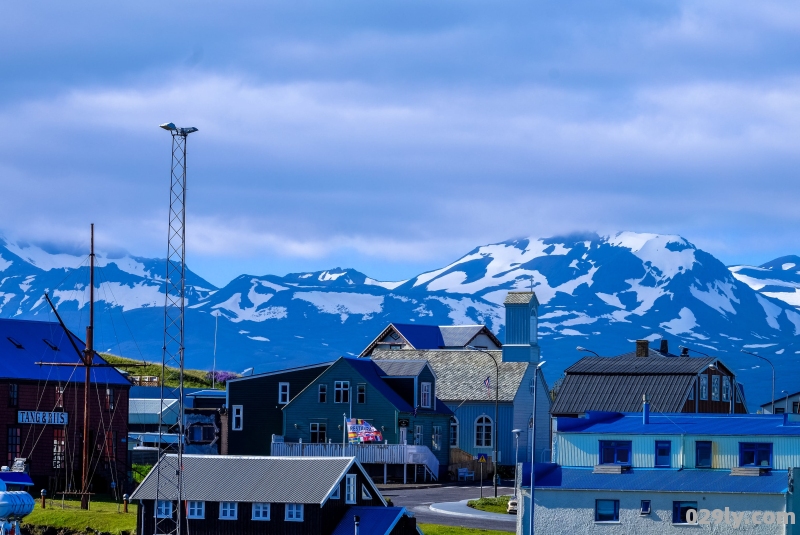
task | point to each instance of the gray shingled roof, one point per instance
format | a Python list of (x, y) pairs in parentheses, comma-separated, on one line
[(617, 383), (459, 335), (460, 373), (401, 368), (241, 478), (518, 298)]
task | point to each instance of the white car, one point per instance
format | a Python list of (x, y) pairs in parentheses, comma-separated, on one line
[(512, 506)]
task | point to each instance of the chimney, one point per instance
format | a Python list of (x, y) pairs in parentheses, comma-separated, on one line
[(356, 521), (684, 351), (645, 410), (664, 349), (642, 348)]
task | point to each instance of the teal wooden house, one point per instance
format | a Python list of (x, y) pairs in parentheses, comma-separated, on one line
[(398, 398)]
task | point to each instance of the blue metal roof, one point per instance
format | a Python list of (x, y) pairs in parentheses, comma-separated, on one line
[(16, 478), (372, 374), (23, 343), (421, 336), (630, 423), (374, 520), (552, 476)]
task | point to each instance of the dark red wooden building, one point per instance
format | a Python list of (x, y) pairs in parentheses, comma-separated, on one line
[(41, 409)]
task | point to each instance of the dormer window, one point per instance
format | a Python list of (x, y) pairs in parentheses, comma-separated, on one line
[(615, 452), (425, 396)]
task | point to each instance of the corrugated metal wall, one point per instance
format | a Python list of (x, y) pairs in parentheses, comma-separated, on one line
[(577, 449), (469, 412)]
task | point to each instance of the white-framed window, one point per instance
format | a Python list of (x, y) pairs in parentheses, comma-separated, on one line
[(164, 509), (483, 432), (322, 393), (453, 432), (237, 422), (425, 397), (336, 493), (726, 388), (294, 512), (365, 495), (436, 438), (715, 388), (196, 510), (261, 511), (341, 392), (703, 387), (350, 488), (418, 435), (228, 510), (283, 393)]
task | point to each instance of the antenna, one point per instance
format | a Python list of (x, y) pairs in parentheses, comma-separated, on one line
[(170, 478)]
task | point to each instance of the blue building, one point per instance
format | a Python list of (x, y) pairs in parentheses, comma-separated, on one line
[(650, 473), (468, 380)]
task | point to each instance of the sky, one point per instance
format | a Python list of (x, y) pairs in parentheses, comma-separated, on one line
[(393, 137)]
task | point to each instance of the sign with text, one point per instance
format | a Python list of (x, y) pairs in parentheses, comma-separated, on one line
[(362, 431), (43, 418)]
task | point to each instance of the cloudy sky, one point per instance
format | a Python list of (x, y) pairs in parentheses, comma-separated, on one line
[(395, 136)]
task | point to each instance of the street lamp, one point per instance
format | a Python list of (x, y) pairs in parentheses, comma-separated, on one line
[(695, 351), (772, 405), (533, 441), (496, 399), (516, 457), (580, 348)]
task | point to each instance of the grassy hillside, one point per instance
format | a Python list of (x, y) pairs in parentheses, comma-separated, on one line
[(191, 378)]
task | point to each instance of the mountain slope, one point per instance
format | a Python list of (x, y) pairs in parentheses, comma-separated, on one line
[(601, 292), (779, 278)]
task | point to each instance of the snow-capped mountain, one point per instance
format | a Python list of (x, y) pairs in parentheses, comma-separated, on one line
[(779, 278), (597, 292)]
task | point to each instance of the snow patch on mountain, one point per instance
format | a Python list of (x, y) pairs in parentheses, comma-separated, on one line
[(236, 313), (459, 311), (772, 310), (611, 299), (719, 296), (271, 285), (5, 264), (343, 303), (684, 323), (792, 298), (387, 285), (670, 255)]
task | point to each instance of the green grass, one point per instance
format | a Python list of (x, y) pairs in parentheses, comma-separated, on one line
[(191, 378), (101, 516), (140, 471), (435, 529), (491, 505)]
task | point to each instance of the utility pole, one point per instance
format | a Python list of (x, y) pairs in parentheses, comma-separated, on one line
[(174, 341)]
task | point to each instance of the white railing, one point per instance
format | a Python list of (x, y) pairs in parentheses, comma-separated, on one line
[(365, 453)]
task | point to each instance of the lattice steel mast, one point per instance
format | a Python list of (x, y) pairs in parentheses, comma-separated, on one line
[(170, 478)]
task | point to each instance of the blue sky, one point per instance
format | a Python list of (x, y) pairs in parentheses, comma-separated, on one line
[(393, 137)]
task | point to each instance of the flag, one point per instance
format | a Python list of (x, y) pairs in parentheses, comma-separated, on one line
[(488, 388), (362, 431)]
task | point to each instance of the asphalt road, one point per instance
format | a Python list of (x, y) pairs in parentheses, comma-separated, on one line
[(418, 500)]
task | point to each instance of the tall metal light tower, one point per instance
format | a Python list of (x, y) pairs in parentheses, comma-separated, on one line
[(170, 478)]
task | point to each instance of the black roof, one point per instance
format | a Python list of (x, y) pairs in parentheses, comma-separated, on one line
[(629, 363)]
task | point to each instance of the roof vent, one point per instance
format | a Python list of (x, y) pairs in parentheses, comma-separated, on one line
[(664, 349), (684, 351), (642, 348), (16, 344)]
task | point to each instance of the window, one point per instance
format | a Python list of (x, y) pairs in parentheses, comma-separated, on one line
[(691, 391), (645, 508), (336, 493), (110, 399), (238, 418), (453, 432), (322, 393), (795, 407), (365, 495), (615, 452), (350, 489), (663, 454), (201, 434), (702, 454), (13, 395), (294, 512), (606, 510), (680, 511), (395, 336), (726, 388), (197, 510), (779, 410), (14, 435), (425, 398), (755, 454), (59, 397), (418, 435), (318, 433), (704, 387), (483, 432), (341, 392), (436, 440), (261, 511), (715, 388), (228, 510), (164, 509), (59, 447), (361, 394), (395, 346), (283, 393)]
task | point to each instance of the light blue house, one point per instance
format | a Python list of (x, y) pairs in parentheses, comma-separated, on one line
[(659, 473), (464, 361)]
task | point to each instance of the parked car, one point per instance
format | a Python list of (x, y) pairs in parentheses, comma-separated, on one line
[(512, 506)]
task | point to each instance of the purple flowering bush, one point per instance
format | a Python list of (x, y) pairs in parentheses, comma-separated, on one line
[(221, 377)]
